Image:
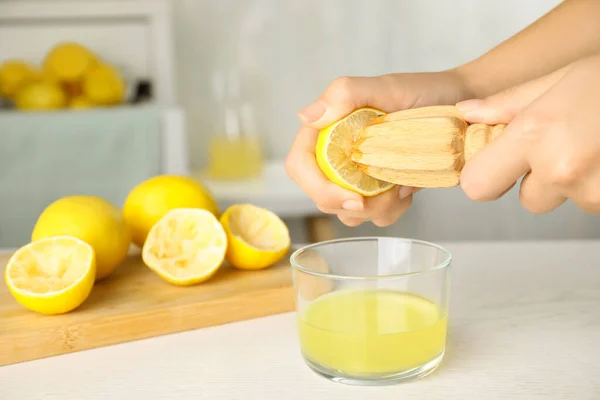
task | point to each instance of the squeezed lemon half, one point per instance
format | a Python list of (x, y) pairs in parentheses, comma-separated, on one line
[(52, 275), (186, 246), (333, 154), (257, 237)]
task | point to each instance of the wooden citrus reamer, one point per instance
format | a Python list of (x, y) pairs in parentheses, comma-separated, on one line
[(421, 147)]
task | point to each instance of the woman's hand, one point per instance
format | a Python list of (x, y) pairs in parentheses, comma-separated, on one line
[(388, 93), (552, 137)]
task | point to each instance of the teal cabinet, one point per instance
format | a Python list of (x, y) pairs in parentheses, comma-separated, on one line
[(48, 155)]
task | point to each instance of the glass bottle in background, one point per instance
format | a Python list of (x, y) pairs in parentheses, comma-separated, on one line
[(235, 151)]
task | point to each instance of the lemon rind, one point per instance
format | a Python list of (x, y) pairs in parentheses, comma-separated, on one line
[(271, 215), (271, 250)]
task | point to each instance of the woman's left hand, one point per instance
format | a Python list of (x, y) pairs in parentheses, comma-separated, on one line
[(552, 138)]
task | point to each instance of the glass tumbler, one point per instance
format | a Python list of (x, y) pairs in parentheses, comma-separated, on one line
[(372, 310)]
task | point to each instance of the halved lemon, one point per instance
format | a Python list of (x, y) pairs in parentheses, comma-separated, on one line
[(333, 154), (53, 275), (186, 246), (257, 237)]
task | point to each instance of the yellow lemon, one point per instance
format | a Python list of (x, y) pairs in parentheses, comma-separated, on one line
[(14, 74), (93, 220), (150, 200), (186, 246), (41, 95), (257, 237), (69, 61), (333, 154), (51, 276), (104, 85), (80, 102)]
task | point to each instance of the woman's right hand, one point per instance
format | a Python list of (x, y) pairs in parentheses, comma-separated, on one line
[(388, 93)]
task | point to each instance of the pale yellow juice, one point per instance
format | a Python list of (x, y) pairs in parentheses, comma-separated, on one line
[(372, 332), (235, 158)]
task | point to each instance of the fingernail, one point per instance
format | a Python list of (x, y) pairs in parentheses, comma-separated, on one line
[(313, 112), (353, 205), (404, 192), (469, 105)]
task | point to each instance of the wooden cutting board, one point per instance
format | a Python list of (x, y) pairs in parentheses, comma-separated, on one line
[(134, 303)]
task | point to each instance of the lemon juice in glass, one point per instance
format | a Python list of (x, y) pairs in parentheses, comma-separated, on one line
[(372, 311)]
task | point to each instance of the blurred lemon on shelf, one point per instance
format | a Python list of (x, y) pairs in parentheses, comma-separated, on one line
[(150, 200), (80, 102), (257, 237), (14, 74), (69, 61), (40, 94), (104, 85), (93, 220), (51, 276), (333, 154), (186, 246)]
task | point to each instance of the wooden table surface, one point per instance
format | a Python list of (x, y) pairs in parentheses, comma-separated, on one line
[(524, 324)]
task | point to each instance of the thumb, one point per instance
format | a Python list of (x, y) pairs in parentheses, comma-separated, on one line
[(345, 95), (502, 107)]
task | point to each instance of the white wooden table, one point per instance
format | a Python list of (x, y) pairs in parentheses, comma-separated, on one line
[(524, 324)]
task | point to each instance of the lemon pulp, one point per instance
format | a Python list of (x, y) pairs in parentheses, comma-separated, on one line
[(186, 246), (53, 275), (257, 237), (333, 149)]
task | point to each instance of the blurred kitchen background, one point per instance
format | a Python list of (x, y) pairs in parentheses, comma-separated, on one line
[(198, 72)]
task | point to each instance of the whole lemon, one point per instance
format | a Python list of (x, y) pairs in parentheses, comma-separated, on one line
[(69, 61), (150, 200), (104, 85), (41, 95), (92, 220), (80, 102), (14, 74)]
